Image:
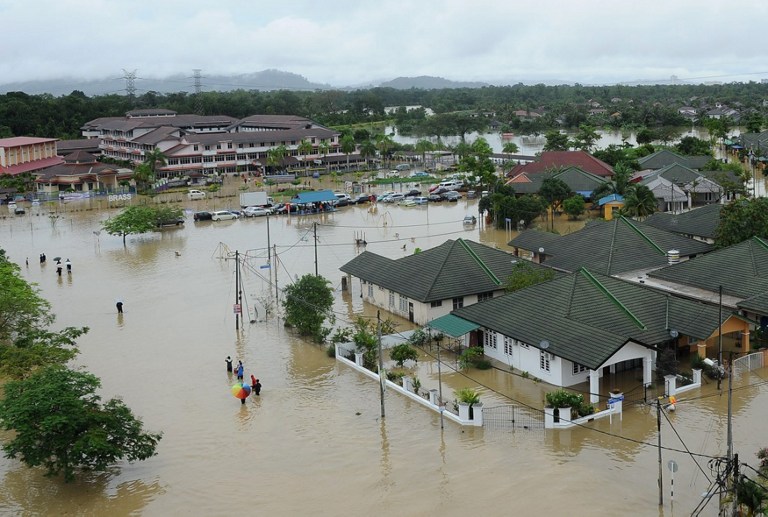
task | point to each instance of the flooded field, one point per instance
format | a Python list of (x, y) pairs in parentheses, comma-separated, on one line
[(314, 442)]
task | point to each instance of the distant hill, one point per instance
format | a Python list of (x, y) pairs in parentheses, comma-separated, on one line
[(263, 80), (426, 82)]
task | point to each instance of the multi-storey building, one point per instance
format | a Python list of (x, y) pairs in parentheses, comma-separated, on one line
[(27, 154), (211, 144)]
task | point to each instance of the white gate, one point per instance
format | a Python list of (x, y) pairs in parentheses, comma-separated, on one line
[(747, 363)]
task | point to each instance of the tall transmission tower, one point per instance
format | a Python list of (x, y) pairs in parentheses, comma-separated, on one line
[(197, 76), (130, 83)]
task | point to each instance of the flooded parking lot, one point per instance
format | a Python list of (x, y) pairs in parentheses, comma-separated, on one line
[(314, 441)]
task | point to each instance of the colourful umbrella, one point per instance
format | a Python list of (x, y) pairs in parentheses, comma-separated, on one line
[(241, 391)]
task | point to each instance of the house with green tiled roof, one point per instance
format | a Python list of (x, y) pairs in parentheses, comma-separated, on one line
[(696, 188), (579, 327), (665, 157), (429, 284), (740, 270), (578, 180), (700, 223), (609, 247)]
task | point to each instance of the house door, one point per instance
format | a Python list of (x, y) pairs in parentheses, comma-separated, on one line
[(410, 312)]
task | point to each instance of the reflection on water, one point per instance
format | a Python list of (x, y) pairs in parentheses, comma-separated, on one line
[(314, 442)]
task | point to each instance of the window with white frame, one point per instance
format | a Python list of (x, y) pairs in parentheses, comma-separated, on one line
[(391, 298), (437, 303), (508, 341), (458, 303), (523, 345), (578, 368), (370, 290), (544, 358), (489, 339), (403, 304), (484, 296)]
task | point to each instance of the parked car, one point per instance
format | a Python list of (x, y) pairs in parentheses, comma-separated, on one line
[(413, 193), (19, 210), (223, 215), (343, 195), (202, 216), (176, 221), (256, 211), (282, 208), (419, 174), (421, 200), (403, 167), (362, 199), (435, 198), (451, 184), (196, 194), (437, 189), (394, 198), (451, 196), (382, 198), (341, 201)]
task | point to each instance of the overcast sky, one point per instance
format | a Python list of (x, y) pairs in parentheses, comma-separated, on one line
[(353, 42)]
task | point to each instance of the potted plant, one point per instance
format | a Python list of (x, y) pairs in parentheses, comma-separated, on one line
[(468, 399)]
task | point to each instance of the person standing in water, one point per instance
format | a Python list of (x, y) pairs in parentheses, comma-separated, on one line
[(256, 387), (229, 364), (119, 306), (69, 266), (240, 371)]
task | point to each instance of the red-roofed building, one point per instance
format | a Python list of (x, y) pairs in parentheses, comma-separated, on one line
[(21, 154), (556, 159), (80, 172)]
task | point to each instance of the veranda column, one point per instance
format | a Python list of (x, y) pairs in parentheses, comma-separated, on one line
[(647, 371), (594, 386)]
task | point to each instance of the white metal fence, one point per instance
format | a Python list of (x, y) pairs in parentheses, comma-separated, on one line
[(747, 363)]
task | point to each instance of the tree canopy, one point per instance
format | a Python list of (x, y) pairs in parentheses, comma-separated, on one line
[(59, 423), (524, 275), (138, 219), (307, 303), (740, 220)]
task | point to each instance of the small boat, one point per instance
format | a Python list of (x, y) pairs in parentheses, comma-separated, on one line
[(507, 136), (470, 220)]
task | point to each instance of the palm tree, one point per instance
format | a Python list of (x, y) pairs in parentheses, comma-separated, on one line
[(348, 146), (155, 158), (639, 202), (367, 149), (619, 184), (305, 149), (275, 156), (510, 148), (324, 148), (384, 144), (143, 176), (422, 146)]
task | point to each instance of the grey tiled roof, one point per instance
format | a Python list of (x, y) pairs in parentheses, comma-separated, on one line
[(455, 268), (665, 157), (587, 317), (740, 269), (576, 179), (613, 247), (699, 222)]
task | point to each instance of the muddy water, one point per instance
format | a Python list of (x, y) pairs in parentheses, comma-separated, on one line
[(314, 442)]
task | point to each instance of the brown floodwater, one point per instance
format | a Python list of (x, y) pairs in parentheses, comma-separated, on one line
[(314, 442)]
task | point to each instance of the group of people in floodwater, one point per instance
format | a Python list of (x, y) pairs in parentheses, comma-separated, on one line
[(255, 384), (67, 264)]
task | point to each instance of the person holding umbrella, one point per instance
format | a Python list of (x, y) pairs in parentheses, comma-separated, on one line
[(241, 391)]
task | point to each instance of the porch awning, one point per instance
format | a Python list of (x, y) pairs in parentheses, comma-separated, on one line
[(452, 325)]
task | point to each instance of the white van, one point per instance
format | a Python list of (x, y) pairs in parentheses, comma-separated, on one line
[(196, 194), (451, 184)]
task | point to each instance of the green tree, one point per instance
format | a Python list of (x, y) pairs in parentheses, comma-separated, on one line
[(586, 137), (423, 146), (26, 343), (510, 148), (384, 144), (645, 136), (574, 206), (132, 220), (692, 146), (305, 149), (59, 423), (554, 191), (524, 274), (155, 159), (143, 176), (275, 157), (402, 353), (556, 141), (754, 123), (367, 150), (617, 185), (307, 303), (347, 146), (742, 219), (639, 202)]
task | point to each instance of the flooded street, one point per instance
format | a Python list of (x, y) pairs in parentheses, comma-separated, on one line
[(314, 442)]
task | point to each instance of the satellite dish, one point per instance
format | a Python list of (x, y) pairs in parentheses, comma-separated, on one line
[(544, 344), (541, 250), (673, 333)]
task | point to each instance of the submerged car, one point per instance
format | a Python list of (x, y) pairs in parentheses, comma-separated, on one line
[(202, 216), (256, 211), (223, 215)]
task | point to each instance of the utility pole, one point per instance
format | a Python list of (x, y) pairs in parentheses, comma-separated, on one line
[(440, 388), (314, 226), (381, 362), (734, 485), (720, 339), (730, 407), (658, 427), (277, 290), (238, 292)]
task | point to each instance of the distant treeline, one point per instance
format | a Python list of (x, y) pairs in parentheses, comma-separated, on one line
[(559, 106)]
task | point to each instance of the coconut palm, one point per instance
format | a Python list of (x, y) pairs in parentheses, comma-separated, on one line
[(324, 148), (619, 184), (305, 149), (511, 148), (275, 156), (384, 144), (639, 202), (423, 146), (367, 149), (155, 159), (347, 146)]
